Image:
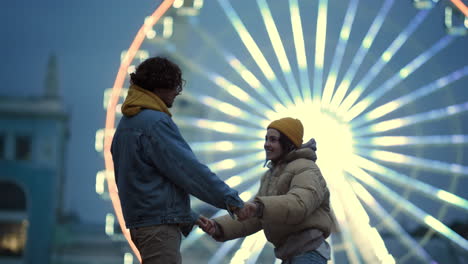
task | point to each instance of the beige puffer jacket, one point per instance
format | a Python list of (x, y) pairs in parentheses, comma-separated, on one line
[(296, 198)]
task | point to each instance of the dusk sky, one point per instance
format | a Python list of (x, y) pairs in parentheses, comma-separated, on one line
[(87, 37)]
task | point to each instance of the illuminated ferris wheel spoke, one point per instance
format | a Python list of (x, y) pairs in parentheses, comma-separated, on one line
[(386, 56), (339, 52), (411, 183), (233, 90), (237, 65), (278, 47), (301, 55), (255, 52), (250, 249), (320, 39), (223, 250), (225, 145), (242, 160), (220, 126), (233, 111), (368, 240), (365, 238), (361, 53), (412, 140), (411, 97), (391, 224), (411, 120), (412, 161), (418, 214), (398, 77), (246, 175), (345, 232)]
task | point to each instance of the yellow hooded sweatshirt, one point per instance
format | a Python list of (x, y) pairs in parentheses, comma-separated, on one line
[(138, 99)]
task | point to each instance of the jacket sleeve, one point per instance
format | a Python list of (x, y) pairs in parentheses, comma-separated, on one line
[(172, 156), (232, 229), (306, 193)]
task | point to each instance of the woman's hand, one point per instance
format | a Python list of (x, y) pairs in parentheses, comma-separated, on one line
[(207, 225)]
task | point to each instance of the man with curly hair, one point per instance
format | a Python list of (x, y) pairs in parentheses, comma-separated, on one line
[(155, 169)]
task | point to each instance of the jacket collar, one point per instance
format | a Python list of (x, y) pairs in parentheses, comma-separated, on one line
[(138, 99)]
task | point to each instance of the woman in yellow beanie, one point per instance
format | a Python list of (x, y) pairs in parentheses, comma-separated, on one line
[(292, 205)]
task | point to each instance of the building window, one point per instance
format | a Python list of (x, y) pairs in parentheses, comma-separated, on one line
[(13, 238), (23, 148), (2, 147), (13, 220)]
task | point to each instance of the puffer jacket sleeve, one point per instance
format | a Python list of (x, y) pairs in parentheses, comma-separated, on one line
[(306, 193), (170, 154), (233, 229)]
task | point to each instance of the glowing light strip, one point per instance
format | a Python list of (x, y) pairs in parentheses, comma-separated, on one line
[(252, 173), (412, 120), (110, 116), (461, 6), (220, 126), (339, 52), (233, 90), (250, 249), (255, 51), (412, 210), (214, 146), (250, 78), (408, 98), (320, 40), (300, 49), (414, 161), (243, 160), (236, 64), (386, 56), (411, 183), (401, 75), (367, 239), (345, 229), (354, 220), (361, 53), (394, 227), (233, 111), (222, 251), (278, 47), (412, 140)]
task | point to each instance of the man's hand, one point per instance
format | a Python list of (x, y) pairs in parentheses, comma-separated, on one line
[(202, 222), (249, 211)]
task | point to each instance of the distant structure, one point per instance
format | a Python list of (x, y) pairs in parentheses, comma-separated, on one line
[(33, 138)]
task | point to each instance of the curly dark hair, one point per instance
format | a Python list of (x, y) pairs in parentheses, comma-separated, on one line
[(157, 73)]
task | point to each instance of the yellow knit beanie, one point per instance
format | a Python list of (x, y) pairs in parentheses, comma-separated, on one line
[(290, 127)]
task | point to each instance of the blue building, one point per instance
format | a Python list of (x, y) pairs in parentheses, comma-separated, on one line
[(33, 139)]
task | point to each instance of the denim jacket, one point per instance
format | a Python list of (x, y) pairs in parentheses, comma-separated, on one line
[(155, 171)]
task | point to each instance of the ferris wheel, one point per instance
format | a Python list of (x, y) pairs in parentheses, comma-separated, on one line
[(378, 84)]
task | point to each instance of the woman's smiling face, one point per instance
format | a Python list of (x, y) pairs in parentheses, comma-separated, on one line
[(272, 145)]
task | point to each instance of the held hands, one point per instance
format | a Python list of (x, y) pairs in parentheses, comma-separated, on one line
[(208, 226), (250, 210)]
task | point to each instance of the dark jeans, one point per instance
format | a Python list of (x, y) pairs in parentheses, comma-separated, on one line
[(158, 243), (311, 257)]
